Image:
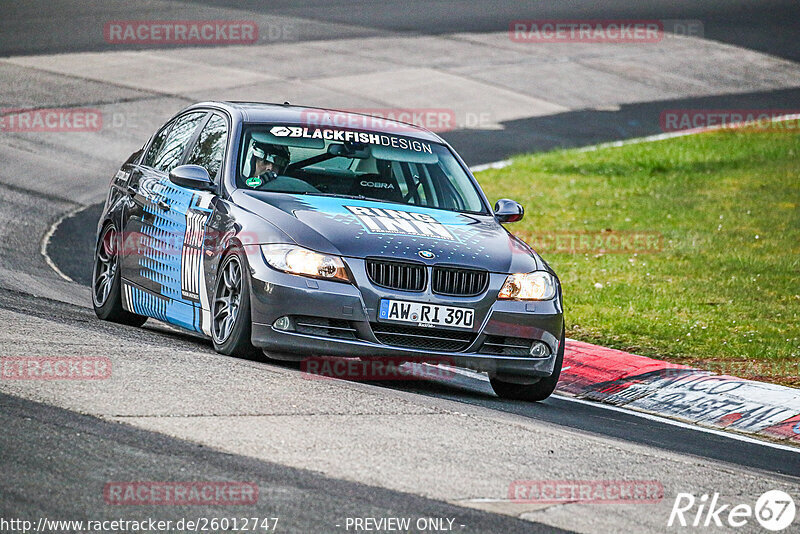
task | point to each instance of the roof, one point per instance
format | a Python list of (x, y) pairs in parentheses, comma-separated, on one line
[(260, 112)]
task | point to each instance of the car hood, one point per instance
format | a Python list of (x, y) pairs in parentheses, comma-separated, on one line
[(360, 228)]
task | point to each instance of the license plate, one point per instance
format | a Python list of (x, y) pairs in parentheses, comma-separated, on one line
[(426, 314)]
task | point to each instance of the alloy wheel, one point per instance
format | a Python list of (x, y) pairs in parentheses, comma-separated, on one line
[(227, 300), (105, 267)]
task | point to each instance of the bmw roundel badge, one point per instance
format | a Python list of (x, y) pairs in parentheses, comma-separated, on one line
[(427, 254)]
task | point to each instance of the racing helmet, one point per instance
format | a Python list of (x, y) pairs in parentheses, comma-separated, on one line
[(277, 154)]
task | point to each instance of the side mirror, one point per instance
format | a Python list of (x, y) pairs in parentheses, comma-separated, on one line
[(192, 177), (508, 211)]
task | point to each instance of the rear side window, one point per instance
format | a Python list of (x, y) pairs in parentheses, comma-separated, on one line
[(173, 146), (155, 146), (209, 149)]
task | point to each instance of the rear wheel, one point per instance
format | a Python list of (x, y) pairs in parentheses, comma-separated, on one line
[(106, 282), (531, 392), (230, 310)]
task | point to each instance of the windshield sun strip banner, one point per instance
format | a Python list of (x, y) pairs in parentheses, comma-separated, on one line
[(332, 134)]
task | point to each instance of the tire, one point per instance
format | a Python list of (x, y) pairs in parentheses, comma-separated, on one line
[(231, 324), (531, 392), (106, 281)]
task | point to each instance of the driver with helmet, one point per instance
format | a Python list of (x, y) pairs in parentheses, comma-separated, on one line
[(267, 165), (267, 162)]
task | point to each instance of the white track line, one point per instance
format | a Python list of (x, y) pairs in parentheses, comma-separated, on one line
[(46, 242), (494, 165), (636, 413), (681, 424), (636, 140)]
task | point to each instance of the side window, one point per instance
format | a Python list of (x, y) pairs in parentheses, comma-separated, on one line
[(210, 147), (169, 155), (155, 147)]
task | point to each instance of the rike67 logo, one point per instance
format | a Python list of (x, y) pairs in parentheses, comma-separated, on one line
[(774, 510)]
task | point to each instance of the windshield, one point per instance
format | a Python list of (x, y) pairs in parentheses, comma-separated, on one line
[(348, 163)]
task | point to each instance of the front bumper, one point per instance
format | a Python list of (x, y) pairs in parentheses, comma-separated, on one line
[(276, 294)]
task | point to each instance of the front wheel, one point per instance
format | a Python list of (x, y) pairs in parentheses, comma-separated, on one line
[(230, 309), (106, 282), (531, 392)]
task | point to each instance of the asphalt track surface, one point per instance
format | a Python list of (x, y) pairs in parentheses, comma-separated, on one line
[(768, 26), (57, 461), (302, 501)]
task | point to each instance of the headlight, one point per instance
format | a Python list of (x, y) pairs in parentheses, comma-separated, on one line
[(298, 260), (538, 285)]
